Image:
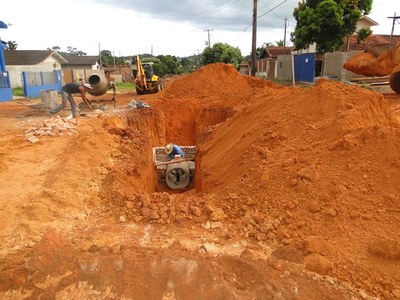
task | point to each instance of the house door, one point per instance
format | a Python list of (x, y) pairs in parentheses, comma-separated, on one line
[(304, 67)]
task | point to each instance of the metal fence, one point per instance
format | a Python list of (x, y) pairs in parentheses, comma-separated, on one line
[(4, 80), (35, 82), (5, 87)]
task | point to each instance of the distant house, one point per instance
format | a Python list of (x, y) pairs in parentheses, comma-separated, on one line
[(19, 61), (77, 67), (365, 22), (244, 68), (273, 52), (73, 67), (80, 62), (267, 62)]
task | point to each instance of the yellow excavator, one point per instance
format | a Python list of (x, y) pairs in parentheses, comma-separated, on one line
[(379, 60), (144, 78)]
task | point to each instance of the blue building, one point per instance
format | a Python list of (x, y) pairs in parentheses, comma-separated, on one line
[(5, 86)]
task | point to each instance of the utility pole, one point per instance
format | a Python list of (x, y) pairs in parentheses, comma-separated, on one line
[(115, 69), (284, 36), (394, 20), (208, 32), (101, 63), (254, 40)]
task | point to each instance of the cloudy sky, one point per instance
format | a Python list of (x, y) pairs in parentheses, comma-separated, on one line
[(179, 27)]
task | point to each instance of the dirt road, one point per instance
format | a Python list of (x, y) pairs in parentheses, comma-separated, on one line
[(296, 195)]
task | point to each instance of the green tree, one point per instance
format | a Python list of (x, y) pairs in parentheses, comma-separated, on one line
[(106, 57), (11, 46), (222, 52), (54, 48), (327, 22), (190, 63), (362, 34), (74, 51), (170, 65)]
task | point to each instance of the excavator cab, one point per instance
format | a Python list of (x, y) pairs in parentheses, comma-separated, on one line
[(148, 71)]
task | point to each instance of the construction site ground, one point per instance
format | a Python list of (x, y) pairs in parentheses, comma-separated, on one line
[(296, 194)]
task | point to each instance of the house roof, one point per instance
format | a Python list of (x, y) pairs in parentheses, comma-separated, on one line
[(368, 20), (29, 57), (372, 40), (275, 51), (72, 59)]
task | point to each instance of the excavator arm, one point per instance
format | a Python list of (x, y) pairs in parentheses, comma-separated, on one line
[(141, 76)]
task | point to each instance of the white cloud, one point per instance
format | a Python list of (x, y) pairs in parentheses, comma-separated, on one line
[(128, 27)]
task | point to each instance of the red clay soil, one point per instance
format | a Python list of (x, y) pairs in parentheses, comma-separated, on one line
[(296, 196), (377, 61)]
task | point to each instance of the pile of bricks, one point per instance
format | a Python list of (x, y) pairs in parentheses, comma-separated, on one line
[(51, 127)]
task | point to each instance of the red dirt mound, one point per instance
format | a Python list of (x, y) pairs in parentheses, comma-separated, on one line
[(210, 81), (368, 64)]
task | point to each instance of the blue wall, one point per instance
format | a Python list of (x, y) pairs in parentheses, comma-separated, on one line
[(5, 89), (5, 85), (304, 67), (33, 90)]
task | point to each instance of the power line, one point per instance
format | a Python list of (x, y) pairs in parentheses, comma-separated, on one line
[(271, 9), (251, 22), (267, 6)]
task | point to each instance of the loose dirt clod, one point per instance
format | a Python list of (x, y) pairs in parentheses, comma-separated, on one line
[(295, 190)]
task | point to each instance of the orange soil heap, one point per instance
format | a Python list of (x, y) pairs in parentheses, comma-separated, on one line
[(306, 178), (367, 64)]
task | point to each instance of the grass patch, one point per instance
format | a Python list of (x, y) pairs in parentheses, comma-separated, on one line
[(125, 86), (19, 91)]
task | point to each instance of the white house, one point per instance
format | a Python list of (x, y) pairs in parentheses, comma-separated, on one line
[(19, 61)]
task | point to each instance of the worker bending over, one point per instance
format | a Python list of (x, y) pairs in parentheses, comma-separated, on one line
[(172, 150), (66, 95)]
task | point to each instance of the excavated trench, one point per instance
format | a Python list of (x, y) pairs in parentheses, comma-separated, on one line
[(133, 260), (141, 130)]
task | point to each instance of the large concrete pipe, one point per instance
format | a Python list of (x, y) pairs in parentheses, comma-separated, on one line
[(99, 83), (177, 175)]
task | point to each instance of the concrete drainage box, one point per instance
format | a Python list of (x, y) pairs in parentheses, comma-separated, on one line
[(176, 173)]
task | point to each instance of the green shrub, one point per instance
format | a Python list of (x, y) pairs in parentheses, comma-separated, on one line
[(19, 91)]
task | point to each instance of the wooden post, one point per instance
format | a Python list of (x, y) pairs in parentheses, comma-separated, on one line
[(254, 40)]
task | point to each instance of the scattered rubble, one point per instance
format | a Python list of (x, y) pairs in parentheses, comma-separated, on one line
[(51, 127)]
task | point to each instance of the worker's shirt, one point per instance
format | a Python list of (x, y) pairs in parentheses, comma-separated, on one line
[(176, 150), (71, 88)]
